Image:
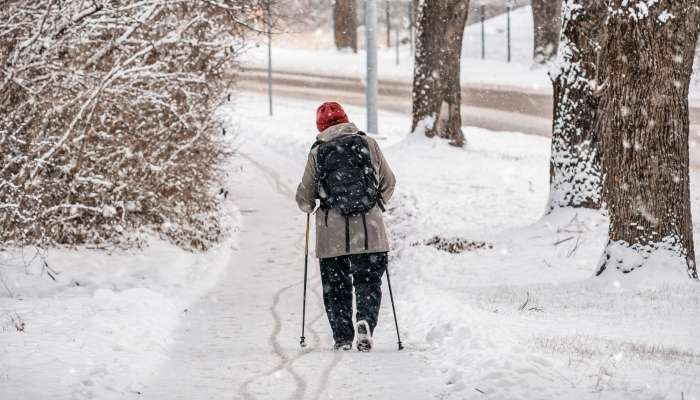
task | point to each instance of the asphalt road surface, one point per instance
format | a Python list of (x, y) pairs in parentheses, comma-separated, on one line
[(496, 109)]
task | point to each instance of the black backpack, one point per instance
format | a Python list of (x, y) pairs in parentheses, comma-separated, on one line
[(346, 179)]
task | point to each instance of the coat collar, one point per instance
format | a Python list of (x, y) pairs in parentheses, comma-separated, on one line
[(335, 131)]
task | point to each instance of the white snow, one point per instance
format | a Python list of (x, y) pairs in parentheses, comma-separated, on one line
[(618, 337), (313, 53), (303, 56), (523, 319), (96, 323)]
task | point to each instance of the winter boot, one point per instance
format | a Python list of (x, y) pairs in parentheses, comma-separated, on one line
[(342, 346), (364, 336)]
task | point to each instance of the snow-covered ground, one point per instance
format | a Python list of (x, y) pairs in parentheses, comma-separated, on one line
[(314, 53), (521, 317), (516, 316), (90, 324)]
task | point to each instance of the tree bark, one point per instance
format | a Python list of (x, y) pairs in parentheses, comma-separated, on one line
[(546, 16), (437, 95), (387, 9), (576, 176), (647, 58), (345, 27)]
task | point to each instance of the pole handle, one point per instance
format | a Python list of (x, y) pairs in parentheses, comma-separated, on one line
[(306, 238)]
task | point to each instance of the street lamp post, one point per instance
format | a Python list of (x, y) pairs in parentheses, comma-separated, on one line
[(371, 48), (509, 6), (269, 55)]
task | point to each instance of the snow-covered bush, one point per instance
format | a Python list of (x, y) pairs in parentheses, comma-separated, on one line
[(106, 127)]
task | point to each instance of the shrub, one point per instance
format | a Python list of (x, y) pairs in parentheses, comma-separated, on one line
[(106, 127)]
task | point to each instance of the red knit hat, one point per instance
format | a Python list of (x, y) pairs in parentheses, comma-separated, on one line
[(329, 114)]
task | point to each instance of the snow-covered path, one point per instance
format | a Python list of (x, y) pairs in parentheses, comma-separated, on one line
[(241, 340), (467, 331), (517, 315)]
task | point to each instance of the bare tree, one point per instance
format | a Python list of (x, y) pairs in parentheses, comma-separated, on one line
[(546, 16), (576, 176), (647, 59), (106, 126), (437, 95), (345, 17), (300, 15)]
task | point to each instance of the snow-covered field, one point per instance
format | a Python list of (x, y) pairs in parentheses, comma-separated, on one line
[(313, 53), (517, 315), (522, 317), (84, 324)]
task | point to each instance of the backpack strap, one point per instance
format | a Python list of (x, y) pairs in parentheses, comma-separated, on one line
[(316, 144), (380, 200), (364, 224), (347, 233)]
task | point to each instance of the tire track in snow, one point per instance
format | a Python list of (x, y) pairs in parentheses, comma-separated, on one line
[(286, 362), (272, 340), (337, 356), (284, 359), (275, 177), (326, 373)]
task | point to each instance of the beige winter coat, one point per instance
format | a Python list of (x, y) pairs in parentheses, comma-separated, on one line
[(330, 232)]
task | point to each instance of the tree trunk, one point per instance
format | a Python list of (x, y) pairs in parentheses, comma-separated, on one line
[(647, 58), (576, 176), (437, 95), (345, 17), (546, 16), (387, 6)]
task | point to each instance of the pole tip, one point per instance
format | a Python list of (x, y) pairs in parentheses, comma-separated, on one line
[(302, 342), (400, 346)]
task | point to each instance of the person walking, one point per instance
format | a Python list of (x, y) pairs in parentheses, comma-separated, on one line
[(347, 173)]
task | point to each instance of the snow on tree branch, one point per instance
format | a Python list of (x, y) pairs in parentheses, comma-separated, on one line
[(106, 125)]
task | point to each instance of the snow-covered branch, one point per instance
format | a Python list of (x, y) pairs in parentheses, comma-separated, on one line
[(109, 103)]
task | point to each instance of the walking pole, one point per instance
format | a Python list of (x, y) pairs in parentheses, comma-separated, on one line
[(302, 342), (393, 308)]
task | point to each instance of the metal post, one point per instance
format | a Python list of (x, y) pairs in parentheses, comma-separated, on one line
[(371, 47), (483, 34), (269, 55), (333, 14), (508, 18), (410, 25), (388, 25), (398, 44)]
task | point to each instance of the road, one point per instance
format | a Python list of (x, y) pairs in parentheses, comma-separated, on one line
[(489, 108), (496, 109)]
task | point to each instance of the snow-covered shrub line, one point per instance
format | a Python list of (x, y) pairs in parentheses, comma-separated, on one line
[(106, 127)]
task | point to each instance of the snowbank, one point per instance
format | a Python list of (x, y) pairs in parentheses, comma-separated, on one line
[(524, 317), (519, 313), (91, 324)]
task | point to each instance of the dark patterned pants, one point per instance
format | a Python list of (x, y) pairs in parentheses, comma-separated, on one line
[(338, 275)]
